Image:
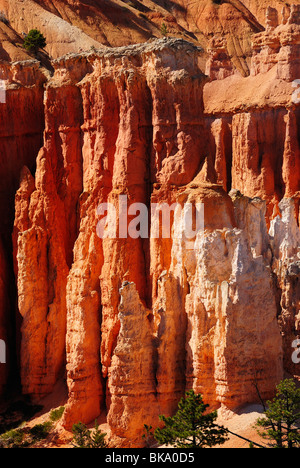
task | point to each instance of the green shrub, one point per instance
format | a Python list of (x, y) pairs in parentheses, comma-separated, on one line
[(34, 41), (13, 438), (164, 29), (41, 431), (24, 436), (56, 414), (280, 422), (84, 438)]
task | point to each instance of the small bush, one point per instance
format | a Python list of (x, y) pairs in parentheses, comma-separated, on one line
[(13, 438), (56, 414), (84, 438), (25, 436), (41, 431), (164, 29)]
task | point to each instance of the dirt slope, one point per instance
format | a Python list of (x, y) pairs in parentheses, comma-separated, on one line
[(11, 44), (73, 26)]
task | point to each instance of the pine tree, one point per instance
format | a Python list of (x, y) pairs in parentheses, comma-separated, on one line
[(280, 424), (164, 29), (148, 435), (97, 438), (192, 426), (34, 41), (80, 435), (84, 438)]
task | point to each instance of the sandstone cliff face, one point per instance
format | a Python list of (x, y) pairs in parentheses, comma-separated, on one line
[(268, 127), (5, 328), (151, 139), (21, 137), (285, 244), (132, 373), (131, 323)]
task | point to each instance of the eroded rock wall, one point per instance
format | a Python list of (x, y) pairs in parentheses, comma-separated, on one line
[(134, 322), (21, 136)]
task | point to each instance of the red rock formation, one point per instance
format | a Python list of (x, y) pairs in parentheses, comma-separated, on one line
[(291, 156), (219, 65), (41, 280), (279, 45), (285, 238), (257, 155), (21, 132), (5, 326), (171, 326), (264, 137), (44, 233), (131, 377), (120, 159), (134, 322)]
